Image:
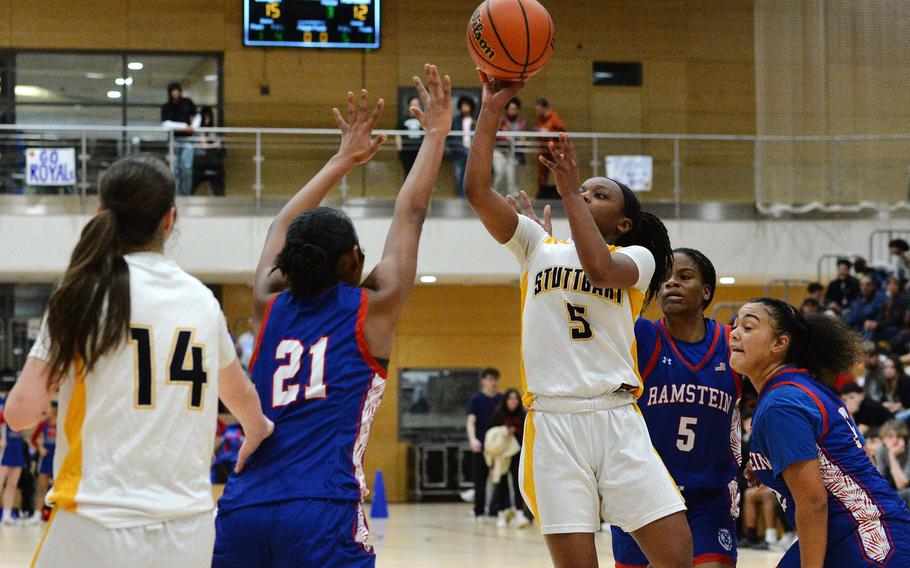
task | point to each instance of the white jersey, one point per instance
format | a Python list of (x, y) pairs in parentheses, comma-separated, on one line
[(577, 340), (135, 434)]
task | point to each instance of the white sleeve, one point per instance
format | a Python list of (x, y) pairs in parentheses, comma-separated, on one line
[(172, 125), (227, 352), (42, 347), (644, 260), (528, 235)]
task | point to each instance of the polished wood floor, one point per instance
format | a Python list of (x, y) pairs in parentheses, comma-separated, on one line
[(416, 535)]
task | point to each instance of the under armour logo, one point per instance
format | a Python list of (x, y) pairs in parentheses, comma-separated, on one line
[(721, 367), (667, 361)]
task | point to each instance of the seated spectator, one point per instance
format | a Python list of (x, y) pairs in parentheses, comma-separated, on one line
[(895, 388), (872, 376), (866, 412), (900, 267), (892, 459), (810, 306), (892, 323), (816, 291), (208, 158), (865, 311), (843, 289)]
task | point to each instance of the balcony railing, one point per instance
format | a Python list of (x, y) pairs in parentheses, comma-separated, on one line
[(771, 174)]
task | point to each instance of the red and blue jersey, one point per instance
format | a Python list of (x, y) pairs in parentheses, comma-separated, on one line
[(691, 403), (797, 419), (318, 382), (48, 433), (231, 440)]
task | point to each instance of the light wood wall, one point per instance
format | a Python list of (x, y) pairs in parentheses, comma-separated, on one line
[(697, 57), (445, 326)]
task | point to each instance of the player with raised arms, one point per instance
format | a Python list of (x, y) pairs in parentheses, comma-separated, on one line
[(805, 446), (691, 405), (140, 353), (320, 361), (587, 455)]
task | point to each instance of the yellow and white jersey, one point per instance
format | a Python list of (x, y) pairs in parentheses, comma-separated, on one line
[(577, 340), (135, 434)]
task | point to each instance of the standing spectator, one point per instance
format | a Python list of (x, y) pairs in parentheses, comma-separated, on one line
[(547, 121), (893, 460), (866, 412), (409, 145), (893, 321), (895, 388), (865, 311), (505, 159), (459, 145), (480, 413), (208, 161), (511, 414), (179, 114), (843, 289), (900, 250), (246, 344)]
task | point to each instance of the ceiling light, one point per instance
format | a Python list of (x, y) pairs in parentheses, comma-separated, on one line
[(727, 280), (114, 94), (428, 279), (93, 75), (134, 65), (123, 81), (210, 78), (32, 91)]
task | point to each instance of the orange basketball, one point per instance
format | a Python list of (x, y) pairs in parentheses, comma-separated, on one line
[(511, 39)]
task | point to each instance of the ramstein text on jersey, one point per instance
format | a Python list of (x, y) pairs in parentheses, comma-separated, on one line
[(572, 279), (690, 394)]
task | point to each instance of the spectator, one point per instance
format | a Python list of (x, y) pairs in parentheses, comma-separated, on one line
[(893, 460), (816, 291), (892, 323), (505, 159), (900, 267), (480, 412), (208, 160), (895, 388), (547, 121), (409, 145), (245, 345), (810, 306), (179, 114), (872, 376), (866, 412), (865, 311), (459, 145), (507, 495), (843, 289)]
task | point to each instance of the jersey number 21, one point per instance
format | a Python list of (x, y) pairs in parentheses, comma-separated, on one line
[(292, 350)]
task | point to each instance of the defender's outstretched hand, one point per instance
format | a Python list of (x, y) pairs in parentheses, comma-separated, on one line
[(546, 223), (357, 142), (436, 98)]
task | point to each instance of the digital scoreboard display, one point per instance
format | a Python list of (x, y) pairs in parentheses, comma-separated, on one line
[(312, 23)]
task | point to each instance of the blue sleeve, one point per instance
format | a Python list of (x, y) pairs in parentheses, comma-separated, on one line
[(791, 426), (645, 340), (472, 406)]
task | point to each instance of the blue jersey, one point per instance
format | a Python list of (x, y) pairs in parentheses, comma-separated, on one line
[(797, 419), (691, 404), (318, 382)]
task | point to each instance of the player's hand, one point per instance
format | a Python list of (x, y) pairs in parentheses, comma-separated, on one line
[(251, 441), (546, 223), (436, 98), (476, 446), (42, 451), (564, 165), (357, 143), (497, 94)]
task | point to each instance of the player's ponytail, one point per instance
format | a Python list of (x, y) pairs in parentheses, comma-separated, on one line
[(647, 231), (821, 344), (89, 312), (314, 244)]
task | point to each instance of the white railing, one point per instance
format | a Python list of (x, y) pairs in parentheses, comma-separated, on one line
[(775, 174)]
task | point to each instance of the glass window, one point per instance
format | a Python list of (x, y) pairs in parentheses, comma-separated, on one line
[(197, 74), (68, 78)]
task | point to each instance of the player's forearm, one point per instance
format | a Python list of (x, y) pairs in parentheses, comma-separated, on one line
[(593, 251), (242, 400), (478, 170), (414, 198), (812, 530)]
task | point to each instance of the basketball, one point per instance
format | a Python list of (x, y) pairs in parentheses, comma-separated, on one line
[(511, 39)]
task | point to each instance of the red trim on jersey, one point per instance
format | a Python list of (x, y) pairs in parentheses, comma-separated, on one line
[(728, 329), (714, 557), (265, 321), (663, 326), (38, 430), (814, 397), (362, 338), (621, 565), (653, 359)]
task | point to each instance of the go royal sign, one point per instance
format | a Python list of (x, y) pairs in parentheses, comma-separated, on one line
[(50, 166)]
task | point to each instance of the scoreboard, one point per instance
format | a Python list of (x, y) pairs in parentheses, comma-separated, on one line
[(311, 23)]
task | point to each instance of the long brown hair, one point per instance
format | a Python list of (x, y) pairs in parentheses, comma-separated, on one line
[(89, 313)]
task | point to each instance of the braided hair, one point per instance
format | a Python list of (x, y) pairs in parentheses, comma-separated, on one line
[(647, 231), (822, 345), (314, 244), (705, 269)]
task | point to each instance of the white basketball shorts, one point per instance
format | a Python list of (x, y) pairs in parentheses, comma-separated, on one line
[(588, 461), (74, 541)]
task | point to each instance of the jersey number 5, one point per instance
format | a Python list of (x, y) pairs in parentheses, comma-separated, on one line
[(686, 440), (187, 365), (292, 350), (579, 327)]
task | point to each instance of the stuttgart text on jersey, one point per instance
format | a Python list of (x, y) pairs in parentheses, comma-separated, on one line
[(572, 279), (690, 394)]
